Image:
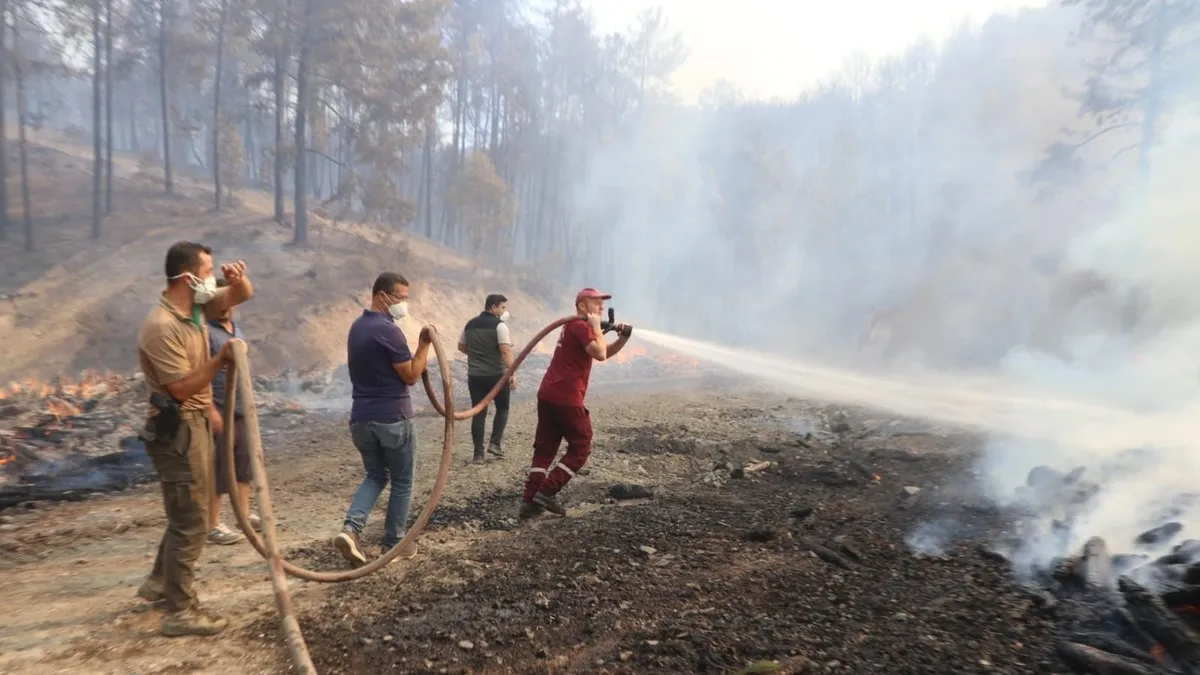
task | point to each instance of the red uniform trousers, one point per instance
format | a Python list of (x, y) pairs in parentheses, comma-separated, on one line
[(556, 422)]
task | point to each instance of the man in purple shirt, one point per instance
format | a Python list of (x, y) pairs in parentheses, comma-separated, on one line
[(382, 372)]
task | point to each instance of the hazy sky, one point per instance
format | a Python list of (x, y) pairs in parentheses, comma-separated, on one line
[(778, 47)]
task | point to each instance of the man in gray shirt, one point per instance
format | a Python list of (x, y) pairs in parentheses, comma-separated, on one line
[(222, 329), (488, 346)]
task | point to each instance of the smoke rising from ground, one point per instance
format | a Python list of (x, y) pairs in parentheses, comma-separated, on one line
[(940, 226)]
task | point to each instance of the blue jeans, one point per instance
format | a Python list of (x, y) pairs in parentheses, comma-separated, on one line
[(388, 450)]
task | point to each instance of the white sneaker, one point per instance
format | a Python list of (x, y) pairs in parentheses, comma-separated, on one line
[(223, 535)]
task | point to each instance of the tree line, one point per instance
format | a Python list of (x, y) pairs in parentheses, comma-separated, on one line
[(457, 119), (519, 133)]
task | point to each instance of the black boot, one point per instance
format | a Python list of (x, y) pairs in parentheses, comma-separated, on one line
[(530, 510), (551, 504)]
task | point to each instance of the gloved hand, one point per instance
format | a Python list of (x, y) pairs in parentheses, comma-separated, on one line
[(624, 329)]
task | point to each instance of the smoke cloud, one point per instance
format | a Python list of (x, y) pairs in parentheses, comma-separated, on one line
[(943, 227)]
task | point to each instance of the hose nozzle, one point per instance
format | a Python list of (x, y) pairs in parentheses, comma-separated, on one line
[(606, 326)]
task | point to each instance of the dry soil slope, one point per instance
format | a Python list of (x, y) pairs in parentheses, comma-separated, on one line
[(76, 303)]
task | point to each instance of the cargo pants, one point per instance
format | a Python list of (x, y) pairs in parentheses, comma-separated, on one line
[(185, 469), (554, 423)]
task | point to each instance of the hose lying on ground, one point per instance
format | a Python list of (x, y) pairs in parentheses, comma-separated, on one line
[(267, 545)]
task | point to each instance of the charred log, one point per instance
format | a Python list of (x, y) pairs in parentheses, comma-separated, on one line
[(1182, 596), (988, 552), (845, 546), (74, 480), (1159, 535), (826, 554), (1095, 566), (1179, 641), (626, 491), (801, 513), (1066, 570), (1085, 659), (1132, 630), (1113, 645), (862, 469), (1127, 562)]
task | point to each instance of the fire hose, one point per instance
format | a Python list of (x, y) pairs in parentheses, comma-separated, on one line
[(268, 546)]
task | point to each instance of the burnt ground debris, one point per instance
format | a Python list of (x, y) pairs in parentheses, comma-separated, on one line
[(781, 565), (1126, 607), (768, 537)]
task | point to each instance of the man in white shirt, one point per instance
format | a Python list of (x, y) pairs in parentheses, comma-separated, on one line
[(488, 345)]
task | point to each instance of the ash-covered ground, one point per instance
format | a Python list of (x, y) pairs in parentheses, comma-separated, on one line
[(775, 538), (766, 545)]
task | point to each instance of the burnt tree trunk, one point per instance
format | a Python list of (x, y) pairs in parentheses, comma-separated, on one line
[(427, 175), (108, 109), (3, 134), (134, 144), (163, 43), (216, 129), (22, 125), (97, 140), (278, 82), (300, 165)]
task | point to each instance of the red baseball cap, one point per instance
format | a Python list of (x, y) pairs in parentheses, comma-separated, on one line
[(591, 294)]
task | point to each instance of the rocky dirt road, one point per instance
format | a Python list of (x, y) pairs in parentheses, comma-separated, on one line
[(800, 561)]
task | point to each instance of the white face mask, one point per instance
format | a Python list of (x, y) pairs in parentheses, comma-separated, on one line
[(505, 316), (203, 291), (399, 310)]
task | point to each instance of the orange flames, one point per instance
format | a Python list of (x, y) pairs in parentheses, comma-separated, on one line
[(60, 408), (630, 353), (89, 385)]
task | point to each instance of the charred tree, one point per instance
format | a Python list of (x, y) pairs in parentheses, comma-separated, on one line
[(427, 175), (165, 110), (22, 125), (3, 133), (300, 166), (97, 139), (216, 130), (108, 108), (278, 82)]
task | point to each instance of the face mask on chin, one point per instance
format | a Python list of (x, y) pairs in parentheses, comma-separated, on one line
[(505, 316)]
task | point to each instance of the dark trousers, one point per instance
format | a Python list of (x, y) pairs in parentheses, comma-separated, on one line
[(184, 466), (241, 456), (555, 423), (479, 386)]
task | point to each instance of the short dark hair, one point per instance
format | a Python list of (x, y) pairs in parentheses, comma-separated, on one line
[(384, 283), (493, 300), (184, 256)]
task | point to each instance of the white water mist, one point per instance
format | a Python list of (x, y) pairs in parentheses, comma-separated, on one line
[(1029, 424)]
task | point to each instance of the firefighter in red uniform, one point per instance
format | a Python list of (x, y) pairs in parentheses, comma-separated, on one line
[(560, 409)]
